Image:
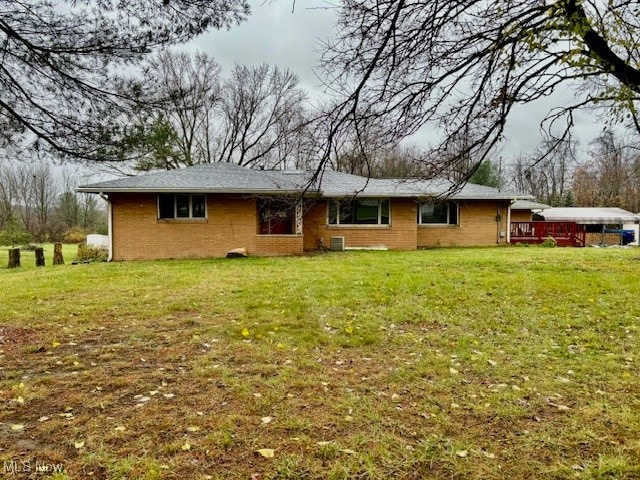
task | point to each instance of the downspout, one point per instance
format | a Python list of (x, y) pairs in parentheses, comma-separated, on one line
[(509, 222), (498, 223), (109, 225)]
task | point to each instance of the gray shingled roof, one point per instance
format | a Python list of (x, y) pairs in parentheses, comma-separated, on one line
[(220, 177), (229, 178), (528, 205)]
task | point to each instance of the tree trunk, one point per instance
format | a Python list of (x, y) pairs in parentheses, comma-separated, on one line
[(57, 254), (14, 257), (39, 257)]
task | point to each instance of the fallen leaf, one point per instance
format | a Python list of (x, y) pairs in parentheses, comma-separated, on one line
[(186, 447), (55, 344), (79, 445), (462, 453), (266, 452), (120, 428), (493, 363), (562, 408), (43, 419), (453, 371), (348, 451), (193, 429), (245, 332), (266, 420), (17, 427), (20, 400), (168, 395), (489, 455)]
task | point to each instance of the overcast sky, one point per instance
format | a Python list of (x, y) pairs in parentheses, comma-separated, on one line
[(276, 35)]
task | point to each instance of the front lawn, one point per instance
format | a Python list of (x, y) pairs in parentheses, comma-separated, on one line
[(492, 363)]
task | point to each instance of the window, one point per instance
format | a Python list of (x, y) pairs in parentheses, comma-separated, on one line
[(442, 213), (361, 211), (182, 205), (276, 216)]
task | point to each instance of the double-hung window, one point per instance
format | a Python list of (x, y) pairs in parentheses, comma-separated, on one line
[(182, 205), (438, 213), (359, 211)]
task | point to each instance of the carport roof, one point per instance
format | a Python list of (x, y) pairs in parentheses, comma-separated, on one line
[(590, 215)]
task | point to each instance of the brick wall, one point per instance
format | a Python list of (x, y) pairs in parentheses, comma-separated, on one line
[(231, 223), (400, 235), (477, 226)]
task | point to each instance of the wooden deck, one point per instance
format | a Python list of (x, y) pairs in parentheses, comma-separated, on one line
[(566, 234)]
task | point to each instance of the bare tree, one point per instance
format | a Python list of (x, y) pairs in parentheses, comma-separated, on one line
[(44, 192), (176, 126), (8, 200), (461, 66), (67, 206), (59, 61), (547, 172), (27, 192), (24, 194), (611, 176), (256, 116), (262, 111)]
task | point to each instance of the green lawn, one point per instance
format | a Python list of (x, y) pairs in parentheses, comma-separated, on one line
[(495, 363)]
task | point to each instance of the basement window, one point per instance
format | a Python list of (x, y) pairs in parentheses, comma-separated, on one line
[(182, 205), (438, 213), (360, 211)]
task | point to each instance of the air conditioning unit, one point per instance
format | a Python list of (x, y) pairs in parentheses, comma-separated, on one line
[(337, 244)]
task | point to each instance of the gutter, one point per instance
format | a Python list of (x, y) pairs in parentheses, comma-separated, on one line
[(109, 225), (101, 190)]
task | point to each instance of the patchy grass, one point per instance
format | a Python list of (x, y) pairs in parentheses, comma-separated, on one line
[(448, 363)]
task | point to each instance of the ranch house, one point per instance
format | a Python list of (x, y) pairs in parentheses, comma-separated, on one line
[(209, 210)]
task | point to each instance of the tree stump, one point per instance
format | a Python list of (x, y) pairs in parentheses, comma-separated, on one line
[(39, 256), (14, 257), (57, 254)]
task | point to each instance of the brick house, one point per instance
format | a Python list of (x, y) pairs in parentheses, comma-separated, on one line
[(208, 210)]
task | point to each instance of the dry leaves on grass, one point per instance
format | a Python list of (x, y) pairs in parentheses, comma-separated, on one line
[(266, 452)]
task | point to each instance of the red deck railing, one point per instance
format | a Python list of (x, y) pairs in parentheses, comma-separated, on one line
[(566, 234)]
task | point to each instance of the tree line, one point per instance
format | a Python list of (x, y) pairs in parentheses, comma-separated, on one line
[(39, 203), (606, 174)]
